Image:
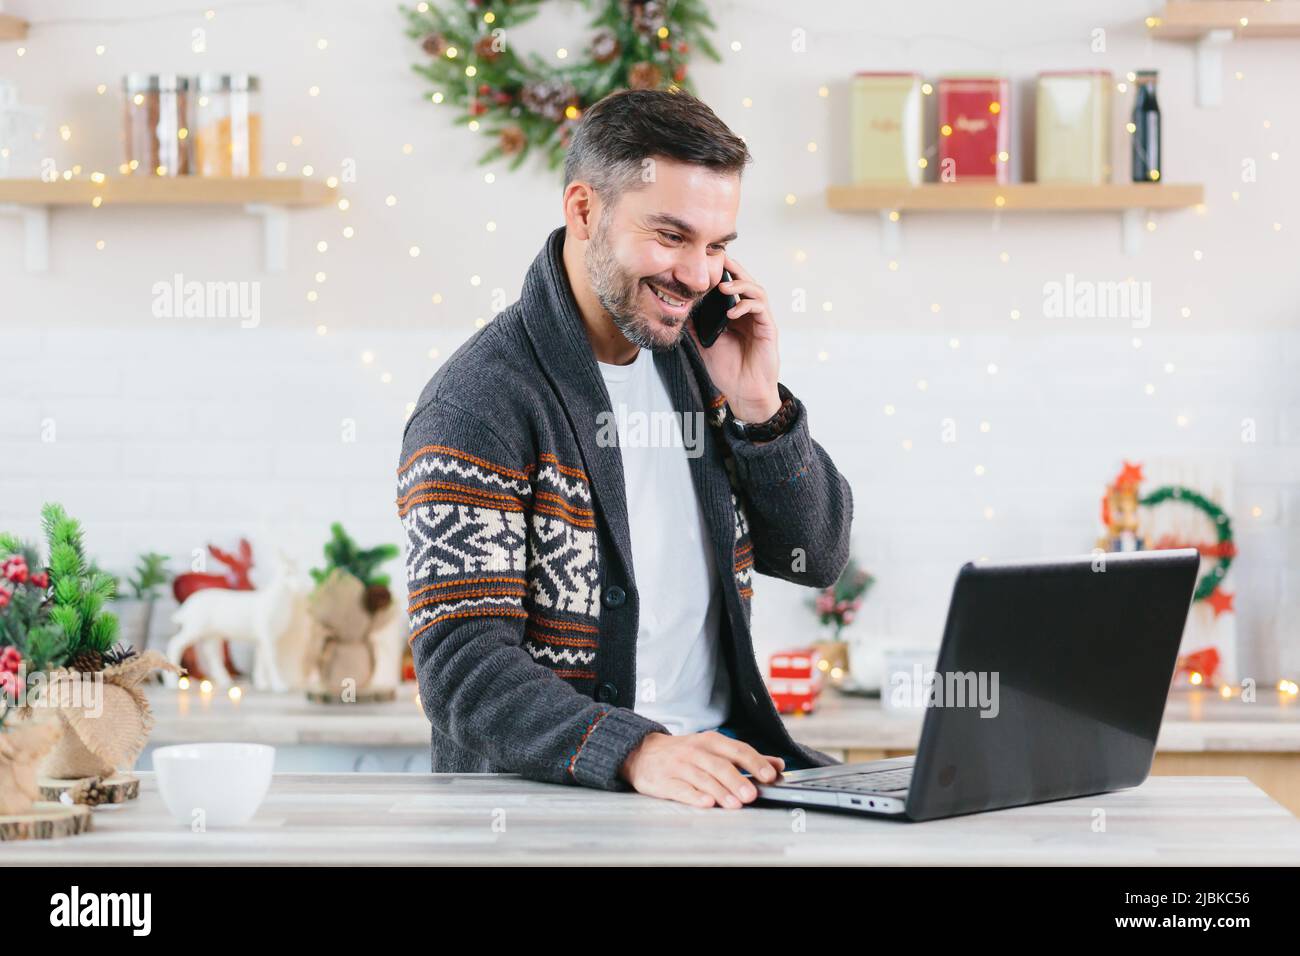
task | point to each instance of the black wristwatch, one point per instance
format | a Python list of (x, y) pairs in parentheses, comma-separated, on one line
[(775, 426)]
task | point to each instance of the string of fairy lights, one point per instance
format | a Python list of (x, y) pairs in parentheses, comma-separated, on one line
[(733, 50)]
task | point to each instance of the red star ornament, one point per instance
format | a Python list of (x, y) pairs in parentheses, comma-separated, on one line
[(1221, 601)]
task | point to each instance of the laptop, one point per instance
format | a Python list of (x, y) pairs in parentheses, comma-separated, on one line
[(1051, 682)]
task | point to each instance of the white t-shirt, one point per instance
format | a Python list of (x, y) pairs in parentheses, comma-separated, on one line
[(681, 676)]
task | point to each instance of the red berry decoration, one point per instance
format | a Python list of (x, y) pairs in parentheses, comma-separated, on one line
[(15, 569)]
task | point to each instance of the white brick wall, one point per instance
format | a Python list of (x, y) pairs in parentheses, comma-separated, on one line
[(185, 466)]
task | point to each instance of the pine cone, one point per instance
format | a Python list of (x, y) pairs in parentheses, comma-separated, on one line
[(434, 44), (549, 98), (647, 16), (92, 793), (512, 140), (119, 654), (644, 76), (376, 598), (605, 46), (487, 47), (87, 662)]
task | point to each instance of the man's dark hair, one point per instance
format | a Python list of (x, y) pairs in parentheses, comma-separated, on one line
[(622, 132)]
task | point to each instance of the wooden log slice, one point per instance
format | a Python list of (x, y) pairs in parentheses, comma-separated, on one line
[(91, 791), (46, 821)]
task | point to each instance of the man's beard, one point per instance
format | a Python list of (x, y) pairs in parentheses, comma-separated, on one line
[(618, 290)]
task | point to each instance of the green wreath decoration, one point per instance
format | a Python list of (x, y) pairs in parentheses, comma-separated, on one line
[(1225, 549), (526, 103)]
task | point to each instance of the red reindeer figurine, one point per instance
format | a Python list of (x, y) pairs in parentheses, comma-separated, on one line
[(183, 585)]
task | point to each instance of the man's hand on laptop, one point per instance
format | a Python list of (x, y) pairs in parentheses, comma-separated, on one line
[(703, 770)]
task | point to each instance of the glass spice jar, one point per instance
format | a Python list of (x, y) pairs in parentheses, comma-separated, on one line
[(155, 124), (227, 125)]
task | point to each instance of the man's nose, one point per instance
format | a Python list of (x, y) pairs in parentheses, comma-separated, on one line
[(693, 273)]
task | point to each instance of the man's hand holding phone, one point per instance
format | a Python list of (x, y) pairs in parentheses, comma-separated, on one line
[(702, 770), (743, 362)]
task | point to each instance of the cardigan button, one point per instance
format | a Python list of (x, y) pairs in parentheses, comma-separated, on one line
[(607, 693), (614, 596)]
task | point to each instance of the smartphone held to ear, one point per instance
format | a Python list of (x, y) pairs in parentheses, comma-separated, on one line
[(710, 316)]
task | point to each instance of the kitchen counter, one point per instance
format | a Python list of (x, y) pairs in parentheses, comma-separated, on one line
[(1195, 722), (1202, 733), (289, 719), (362, 819)]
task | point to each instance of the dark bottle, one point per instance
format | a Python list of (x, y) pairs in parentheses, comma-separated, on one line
[(1146, 130)]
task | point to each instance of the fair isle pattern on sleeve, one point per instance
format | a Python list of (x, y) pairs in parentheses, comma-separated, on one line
[(487, 540), (743, 554), (465, 524), (566, 647), (563, 558)]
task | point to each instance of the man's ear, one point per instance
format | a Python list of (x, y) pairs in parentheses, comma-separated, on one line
[(580, 206)]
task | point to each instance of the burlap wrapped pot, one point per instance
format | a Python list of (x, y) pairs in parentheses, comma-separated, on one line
[(107, 723)]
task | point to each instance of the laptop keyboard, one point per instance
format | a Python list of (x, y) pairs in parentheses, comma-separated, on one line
[(871, 781)]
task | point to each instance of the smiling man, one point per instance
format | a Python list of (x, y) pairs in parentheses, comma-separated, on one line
[(580, 607)]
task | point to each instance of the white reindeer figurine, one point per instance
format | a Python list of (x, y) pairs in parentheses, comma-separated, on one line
[(261, 617)]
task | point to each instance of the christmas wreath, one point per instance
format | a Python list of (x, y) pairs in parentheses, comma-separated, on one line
[(1222, 551), (1118, 513), (522, 101)]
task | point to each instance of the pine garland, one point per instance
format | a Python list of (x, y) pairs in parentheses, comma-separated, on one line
[(522, 101)]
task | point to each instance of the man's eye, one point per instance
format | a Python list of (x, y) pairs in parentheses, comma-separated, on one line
[(719, 247), (670, 237)]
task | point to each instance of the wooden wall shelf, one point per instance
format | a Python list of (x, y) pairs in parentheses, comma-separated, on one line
[(1193, 19), (1212, 24), (164, 191), (1132, 200), (12, 28), (1015, 197), (268, 198)]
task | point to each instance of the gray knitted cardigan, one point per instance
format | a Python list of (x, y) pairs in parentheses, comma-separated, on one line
[(523, 599)]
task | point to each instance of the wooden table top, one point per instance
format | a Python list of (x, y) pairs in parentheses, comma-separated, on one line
[(420, 819), (1195, 721)]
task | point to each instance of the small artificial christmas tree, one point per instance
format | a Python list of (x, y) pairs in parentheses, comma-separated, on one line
[(79, 594), (351, 608), (150, 574), (342, 552)]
